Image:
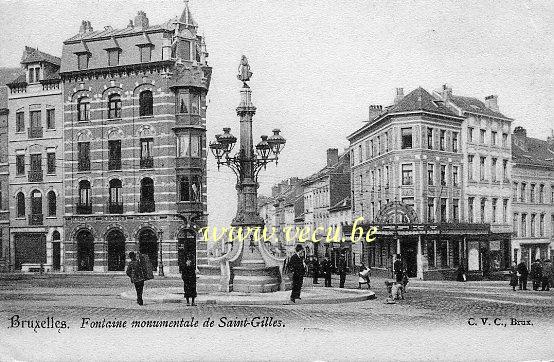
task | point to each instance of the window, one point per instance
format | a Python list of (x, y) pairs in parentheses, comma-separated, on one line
[(430, 209), (51, 203), (516, 224), (533, 217), (113, 57), (83, 109), (114, 155), (522, 192), (83, 151), (493, 138), (442, 140), (523, 225), (431, 253), (82, 61), (34, 74), (505, 212), (360, 154), (407, 174), (504, 140), (36, 162), (51, 118), (145, 54), (532, 198), (188, 145), (443, 209), (505, 170), (146, 195), (146, 154), (470, 134), (185, 50), (85, 200), (115, 205), (493, 169), (483, 206), (387, 177), (20, 122), (455, 141), (470, 211), (35, 119), (493, 212), (455, 175), (541, 194), (114, 106), (51, 163), (455, 210), (443, 175), (470, 167), (20, 205), (36, 202), (367, 152), (482, 169), (482, 138), (429, 138), (406, 138), (195, 103), (146, 107), (541, 225), (443, 252), (386, 142), (190, 188), (183, 102), (20, 164)]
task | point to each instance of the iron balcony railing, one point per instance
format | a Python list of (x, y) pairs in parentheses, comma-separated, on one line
[(147, 162), (115, 208), (84, 209), (147, 206)]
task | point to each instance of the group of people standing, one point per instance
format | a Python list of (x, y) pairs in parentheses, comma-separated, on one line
[(541, 275)]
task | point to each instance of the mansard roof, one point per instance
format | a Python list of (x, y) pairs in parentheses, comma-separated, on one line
[(109, 32), (474, 105), (532, 151), (420, 100)]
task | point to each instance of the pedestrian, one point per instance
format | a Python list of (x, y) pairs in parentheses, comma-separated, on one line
[(364, 277), (513, 276), (522, 272), (546, 274), (536, 274), (398, 267), (326, 268), (342, 269), (461, 273), (137, 275), (298, 268), (315, 270), (188, 274)]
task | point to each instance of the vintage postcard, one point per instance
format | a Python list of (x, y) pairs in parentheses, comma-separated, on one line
[(276, 180)]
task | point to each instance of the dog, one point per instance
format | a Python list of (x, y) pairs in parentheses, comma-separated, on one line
[(395, 290)]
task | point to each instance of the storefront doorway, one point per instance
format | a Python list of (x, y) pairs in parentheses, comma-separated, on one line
[(116, 250), (85, 251)]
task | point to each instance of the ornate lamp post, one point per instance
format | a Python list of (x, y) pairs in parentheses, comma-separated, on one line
[(246, 163), (161, 262)]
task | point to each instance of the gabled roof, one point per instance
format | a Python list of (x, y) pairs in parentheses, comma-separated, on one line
[(186, 16), (32, 55), (536, 152), (344, 160), (474, 105), (420, 100)]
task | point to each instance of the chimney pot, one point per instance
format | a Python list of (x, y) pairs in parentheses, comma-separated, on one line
[(141, 21), (446, 92), (374, 111), (492, 102), (399, 95)]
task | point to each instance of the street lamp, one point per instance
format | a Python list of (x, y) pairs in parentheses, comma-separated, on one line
[(161, 263)]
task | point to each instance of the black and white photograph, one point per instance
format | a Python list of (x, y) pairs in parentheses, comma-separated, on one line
[(225, 180)]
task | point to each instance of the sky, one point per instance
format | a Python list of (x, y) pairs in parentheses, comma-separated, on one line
[(319, 65)]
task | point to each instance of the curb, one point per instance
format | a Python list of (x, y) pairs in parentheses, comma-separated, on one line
[(204, 299)]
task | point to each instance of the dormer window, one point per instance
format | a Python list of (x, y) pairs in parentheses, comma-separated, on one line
[(113, 57), (145, 54), (34, 74), (185, 50), (82, 61)]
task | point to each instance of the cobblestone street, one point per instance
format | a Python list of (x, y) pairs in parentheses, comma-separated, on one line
[(431, 307)]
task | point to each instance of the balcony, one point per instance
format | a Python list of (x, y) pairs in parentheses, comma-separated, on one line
[(35, 176), (36, 219), (190, 207), (83, 165), (84, 209), (114, 164), (147, 206), (115, 208), (147, 162), (34, 132)]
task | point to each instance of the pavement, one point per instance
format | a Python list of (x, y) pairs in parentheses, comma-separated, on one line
[(440, 320)]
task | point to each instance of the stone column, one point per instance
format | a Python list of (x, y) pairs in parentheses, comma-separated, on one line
[(419, 258)]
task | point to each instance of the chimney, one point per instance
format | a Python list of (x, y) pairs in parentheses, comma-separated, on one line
[(492, 102), (399, 95), (550, 140), (520, 132), (446, 92), (85, 27), (374, 112), (141, 21), (332, 156)]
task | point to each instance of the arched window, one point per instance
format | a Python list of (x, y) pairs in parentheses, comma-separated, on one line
[(114, 106), (190, 188), (146, 107), (36, 202), (85, 203), (146, 195), (83, 109), (116, 198), (56, 235), (51, 203), (20, 204)]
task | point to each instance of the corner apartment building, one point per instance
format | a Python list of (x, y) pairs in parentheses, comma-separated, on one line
[(533, 197), (4, 182), (35, 148), (135, 144)]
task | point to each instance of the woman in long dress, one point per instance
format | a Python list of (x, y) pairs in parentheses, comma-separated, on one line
[(188, 274)]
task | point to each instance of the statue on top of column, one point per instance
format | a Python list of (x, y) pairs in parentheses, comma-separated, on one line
[(244, 71)]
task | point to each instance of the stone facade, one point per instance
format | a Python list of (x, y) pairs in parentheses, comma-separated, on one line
[(533, 197), (135, 145), (4, 183), (35, 149)]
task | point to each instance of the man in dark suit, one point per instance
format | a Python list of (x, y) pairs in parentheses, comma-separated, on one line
[(342, 269), (523, 273), (326, 269), (137, 275), (315, 270), (398, 268), (298, 269)]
